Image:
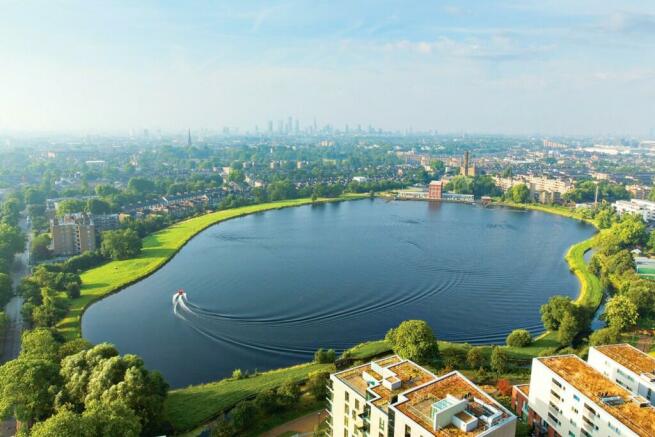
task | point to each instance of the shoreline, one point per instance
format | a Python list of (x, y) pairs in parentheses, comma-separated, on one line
[(158, 249), (179, 234)]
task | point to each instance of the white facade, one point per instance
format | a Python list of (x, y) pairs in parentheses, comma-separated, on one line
[(577, 401), (644, 208), (627, 374), (394, 397)]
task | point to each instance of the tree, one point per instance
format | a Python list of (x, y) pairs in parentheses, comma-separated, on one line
[(97, 207), (120, 244), (413, 340), (222, 428), (620, 313), (73, 290), (63, 423), (266, 401), (460, 184), (73, 347), (605, 218), (519, 193), (6, 290), (39, 344), (553, 311), (568, 329), (70, 206), (499, 360), (113, 418), (323, 356), (27, 389), (475, 358), (317, 384), (40, 247), (519, 338), (140, 186)]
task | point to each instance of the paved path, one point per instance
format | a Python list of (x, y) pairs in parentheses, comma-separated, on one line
[(301, 425)]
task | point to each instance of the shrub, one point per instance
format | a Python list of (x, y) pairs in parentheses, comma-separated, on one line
[(475, 358), (323, 356), (519, 338), (604, 336), (238, 374), (499, 360), (317, 384)]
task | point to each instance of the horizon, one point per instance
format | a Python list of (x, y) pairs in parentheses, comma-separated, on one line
[(496, 68)]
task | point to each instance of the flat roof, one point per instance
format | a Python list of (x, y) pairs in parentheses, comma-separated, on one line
[(410, 375), (418, 405), (595, 386), (629, 357)]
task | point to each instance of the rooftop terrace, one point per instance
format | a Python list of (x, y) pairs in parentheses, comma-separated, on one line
[(629, 357), (596, 387), (421, 403)]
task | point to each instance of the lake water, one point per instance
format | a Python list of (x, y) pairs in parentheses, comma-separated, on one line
[(266, 290)]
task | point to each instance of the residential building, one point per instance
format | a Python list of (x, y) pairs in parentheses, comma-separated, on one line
[(644, 208), (638, 191), (105, 222), (627, 366), (435, 190), (398, 398), (569, 397), (72, 234)]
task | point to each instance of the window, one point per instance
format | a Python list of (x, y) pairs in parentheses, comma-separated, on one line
[(576, 397), (408, 431), (557, 383), (353, 413), (346, 409), (356, 404), (554, 419), (346, 422), (571, 434), (347, 397), (381, 424)]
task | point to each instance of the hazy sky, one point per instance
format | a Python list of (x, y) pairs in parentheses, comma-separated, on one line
[(510, 66)]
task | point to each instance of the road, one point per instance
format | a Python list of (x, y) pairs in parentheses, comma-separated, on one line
[(12, 310)]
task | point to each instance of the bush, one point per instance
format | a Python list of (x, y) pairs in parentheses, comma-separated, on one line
[(288, 393), (267, 401), (475, 358), (322, 356), (519, 338), (604, 336), (238, 374), (243, 414)]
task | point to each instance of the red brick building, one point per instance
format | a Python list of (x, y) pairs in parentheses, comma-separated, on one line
[(435, 190), (519, 404)]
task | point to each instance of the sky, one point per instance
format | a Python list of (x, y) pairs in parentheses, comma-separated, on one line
[(487, 66)]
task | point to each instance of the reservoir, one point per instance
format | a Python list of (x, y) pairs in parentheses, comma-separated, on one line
[(266, 290)]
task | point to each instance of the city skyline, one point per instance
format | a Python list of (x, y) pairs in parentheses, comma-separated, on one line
[(493, 67)]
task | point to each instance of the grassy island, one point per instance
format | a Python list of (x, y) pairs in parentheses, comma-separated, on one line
[(158, 249)]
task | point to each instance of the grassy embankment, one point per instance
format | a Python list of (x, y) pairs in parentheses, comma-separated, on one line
[(190, 407), (158, 248)]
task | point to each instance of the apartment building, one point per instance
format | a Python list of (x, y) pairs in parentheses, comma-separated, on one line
[(393, 397), (644, 208), (568, 397), (627, 366), (72, 234), (542, 188)]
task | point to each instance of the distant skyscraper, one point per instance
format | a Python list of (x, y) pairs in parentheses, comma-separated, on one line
[(297, 129), (188, 139), (270, 126)]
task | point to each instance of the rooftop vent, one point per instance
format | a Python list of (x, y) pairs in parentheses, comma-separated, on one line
[(613, 401), (641, 401)]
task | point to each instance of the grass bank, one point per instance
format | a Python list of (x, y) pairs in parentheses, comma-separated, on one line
[(188, 408), (158, 248), (564, 211)]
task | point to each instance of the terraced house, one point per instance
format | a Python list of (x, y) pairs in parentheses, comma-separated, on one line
[(611, 395), (393, 397)]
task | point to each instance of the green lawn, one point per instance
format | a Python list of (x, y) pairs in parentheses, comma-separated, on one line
[(189, 407), (158, 248), (364, 351), (591, 292), (564, 211)]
